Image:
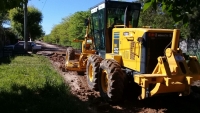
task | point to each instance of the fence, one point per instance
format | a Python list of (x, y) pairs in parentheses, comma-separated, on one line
[(190, 47)]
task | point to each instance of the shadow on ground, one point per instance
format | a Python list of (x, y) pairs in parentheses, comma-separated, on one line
[(159, 104), (44, 100), (8, 59)]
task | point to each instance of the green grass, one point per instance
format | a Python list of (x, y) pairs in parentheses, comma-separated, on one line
[(29, 84)]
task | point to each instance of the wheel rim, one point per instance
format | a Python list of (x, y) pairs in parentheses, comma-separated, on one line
[(104, 81), (90, 72)]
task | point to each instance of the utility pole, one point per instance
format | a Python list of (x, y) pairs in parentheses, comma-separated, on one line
[(25, 24)]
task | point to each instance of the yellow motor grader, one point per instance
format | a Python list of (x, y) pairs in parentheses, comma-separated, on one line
[(77, 61), (124, 54)]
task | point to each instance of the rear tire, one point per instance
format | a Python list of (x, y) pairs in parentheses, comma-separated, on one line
[(92, 70), (70, 54), (111, 81)]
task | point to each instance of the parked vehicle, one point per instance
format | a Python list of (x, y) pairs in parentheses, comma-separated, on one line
[(19, 47), (35, 47)]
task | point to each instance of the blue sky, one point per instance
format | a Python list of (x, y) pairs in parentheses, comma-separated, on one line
[(54, 10)]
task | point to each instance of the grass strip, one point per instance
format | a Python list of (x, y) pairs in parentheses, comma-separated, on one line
[(30, 84)]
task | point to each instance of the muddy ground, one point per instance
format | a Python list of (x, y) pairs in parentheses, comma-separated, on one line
[(78, 84)]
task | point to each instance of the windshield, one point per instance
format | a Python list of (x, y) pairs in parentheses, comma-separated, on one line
[(107, 15), (116, 16), (98, 26)]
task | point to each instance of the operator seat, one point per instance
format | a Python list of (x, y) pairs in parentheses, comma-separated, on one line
[(116, 22)]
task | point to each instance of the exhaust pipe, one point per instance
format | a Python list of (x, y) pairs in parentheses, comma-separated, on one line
[(126, 19)]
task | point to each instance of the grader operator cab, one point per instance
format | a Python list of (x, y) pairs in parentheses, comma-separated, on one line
[(123, 52)]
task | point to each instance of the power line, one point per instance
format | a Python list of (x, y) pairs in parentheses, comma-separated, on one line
[(44, 4)]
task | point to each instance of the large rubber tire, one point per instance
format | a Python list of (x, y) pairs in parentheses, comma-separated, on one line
[(92, 70), (70, 54), (111, 81)]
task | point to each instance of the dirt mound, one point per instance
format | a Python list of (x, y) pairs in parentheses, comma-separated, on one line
[(60, 59)]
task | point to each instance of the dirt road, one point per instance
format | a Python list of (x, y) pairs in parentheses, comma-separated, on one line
[(166, 104)]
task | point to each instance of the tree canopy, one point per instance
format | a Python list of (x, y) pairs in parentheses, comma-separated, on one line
[(184, 13), (6, 5), (34, 28), (70, 28), (178, 9), (156, 19)]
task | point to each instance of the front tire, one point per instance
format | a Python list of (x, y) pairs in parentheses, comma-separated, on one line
[(92, 70), (111, 81)]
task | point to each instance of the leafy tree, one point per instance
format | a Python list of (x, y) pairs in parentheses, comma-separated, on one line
[(184, 12), (156, 19), (178, 9), (56, 34), (34, 16), (10, 36), (46, 38), (76, 26), (59, 33), (3, 18), (70, 28), (194, 23), (187, 30), (6, 5)]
